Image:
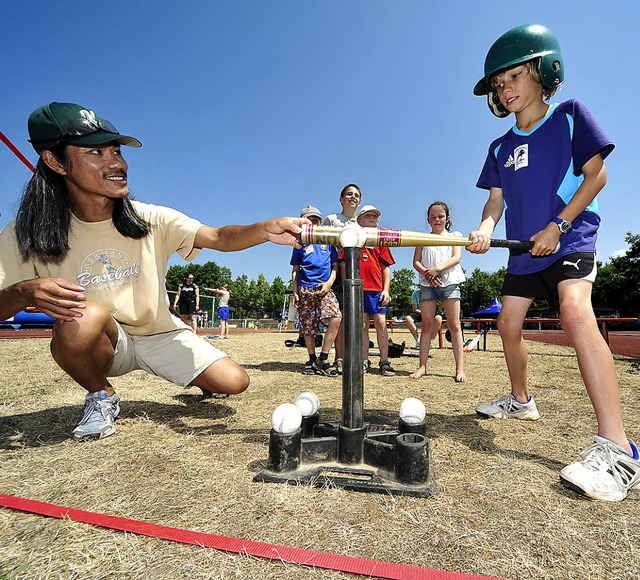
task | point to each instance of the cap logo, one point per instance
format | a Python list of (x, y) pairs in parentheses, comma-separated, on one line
[(89, 118)]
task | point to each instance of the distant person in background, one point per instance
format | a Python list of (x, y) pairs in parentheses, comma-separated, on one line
[(375, 272), (350, 198), (415, 318), (314, 270), (188, 301), (224, 295), (440, 279)]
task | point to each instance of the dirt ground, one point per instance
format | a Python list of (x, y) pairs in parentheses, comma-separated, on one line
[(182, 461)]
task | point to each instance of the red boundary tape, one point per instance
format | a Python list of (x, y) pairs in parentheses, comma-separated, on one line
[(326, 560)]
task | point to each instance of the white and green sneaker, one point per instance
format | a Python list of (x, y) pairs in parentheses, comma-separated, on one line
[(606, 473), (98, 420), (508, 407)]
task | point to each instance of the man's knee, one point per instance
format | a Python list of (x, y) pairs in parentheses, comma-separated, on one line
[(224, 376), (95, 323), (238, 383)]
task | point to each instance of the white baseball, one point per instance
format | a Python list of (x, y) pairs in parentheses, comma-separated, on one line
[(352, 236), (287, 418), (412, 411), (308, 403)]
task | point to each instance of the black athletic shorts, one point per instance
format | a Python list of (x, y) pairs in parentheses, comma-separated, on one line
[(544, 284), (187, 308), (416, 316)]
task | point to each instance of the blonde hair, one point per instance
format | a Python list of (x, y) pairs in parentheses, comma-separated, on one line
[(533, 69)]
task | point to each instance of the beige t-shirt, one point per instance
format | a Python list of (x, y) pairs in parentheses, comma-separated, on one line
[(224, 297), (124, 275)]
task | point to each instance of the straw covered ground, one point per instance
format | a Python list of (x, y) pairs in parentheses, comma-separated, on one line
[(182, 461)]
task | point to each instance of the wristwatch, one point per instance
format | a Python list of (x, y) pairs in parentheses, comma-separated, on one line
[(563, 225)]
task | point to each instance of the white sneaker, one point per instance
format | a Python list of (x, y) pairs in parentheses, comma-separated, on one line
[(98, 419), (508, 407), (606, 472)]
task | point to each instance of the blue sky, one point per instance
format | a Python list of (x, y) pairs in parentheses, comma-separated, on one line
[(253, 109)]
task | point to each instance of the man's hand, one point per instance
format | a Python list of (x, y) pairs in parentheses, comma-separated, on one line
[(53, 296), (285, 230)]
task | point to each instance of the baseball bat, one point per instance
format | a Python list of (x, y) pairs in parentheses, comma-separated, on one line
[(393, 238), (472, 343)]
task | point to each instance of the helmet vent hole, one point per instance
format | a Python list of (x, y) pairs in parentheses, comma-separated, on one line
[(555, 65)]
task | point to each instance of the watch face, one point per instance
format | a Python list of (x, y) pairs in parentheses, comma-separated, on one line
[(565, 226)]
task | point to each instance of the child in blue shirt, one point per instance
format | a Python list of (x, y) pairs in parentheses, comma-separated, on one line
[(314, 271), (545, 174)]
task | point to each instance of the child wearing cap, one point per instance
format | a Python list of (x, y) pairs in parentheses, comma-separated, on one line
[(375, 273), (547, 171), (314, 271)]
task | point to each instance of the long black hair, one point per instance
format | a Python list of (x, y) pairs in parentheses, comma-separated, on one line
[(42, 222)]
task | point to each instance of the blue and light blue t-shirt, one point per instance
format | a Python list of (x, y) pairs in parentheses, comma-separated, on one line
[(539, 172)]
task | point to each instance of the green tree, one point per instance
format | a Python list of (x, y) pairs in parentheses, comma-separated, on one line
[(480, 289), (617, 286), (403, 283), (258, 296), (240, 302), (276, 297), (175, 276)]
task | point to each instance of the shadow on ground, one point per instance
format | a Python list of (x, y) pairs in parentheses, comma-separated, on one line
[(54, 426)]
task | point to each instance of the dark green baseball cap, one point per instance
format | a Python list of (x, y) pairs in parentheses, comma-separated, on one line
[(72, 124)]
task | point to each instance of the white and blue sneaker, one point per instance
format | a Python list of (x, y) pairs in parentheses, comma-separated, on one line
[(508, 407), (606, 473), (98, 420)]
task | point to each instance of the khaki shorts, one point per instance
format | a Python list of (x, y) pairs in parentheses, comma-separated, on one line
[(178, 356)]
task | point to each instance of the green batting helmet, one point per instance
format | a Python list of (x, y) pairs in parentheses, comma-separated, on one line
[(517, 46)]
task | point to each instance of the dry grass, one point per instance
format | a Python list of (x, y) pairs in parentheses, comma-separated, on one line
[(182, 461)]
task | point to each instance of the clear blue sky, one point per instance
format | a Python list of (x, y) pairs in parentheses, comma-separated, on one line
[(253, 109)]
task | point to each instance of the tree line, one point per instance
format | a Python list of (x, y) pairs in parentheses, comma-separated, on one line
[(616, 291)]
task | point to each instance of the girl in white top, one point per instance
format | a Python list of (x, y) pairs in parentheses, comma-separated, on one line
[(440, 277)]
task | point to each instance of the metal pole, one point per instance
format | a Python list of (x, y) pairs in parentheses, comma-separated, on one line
[(353, 375), (16, 151)]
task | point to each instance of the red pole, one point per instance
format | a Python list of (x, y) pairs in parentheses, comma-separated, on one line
[(16, 151)]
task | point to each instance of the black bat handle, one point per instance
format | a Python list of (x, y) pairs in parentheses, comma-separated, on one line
[(512, 244)]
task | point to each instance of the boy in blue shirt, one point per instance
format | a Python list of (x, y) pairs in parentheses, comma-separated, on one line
[(545, 174), (314, 271)]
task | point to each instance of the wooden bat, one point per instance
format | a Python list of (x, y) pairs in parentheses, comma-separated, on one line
[(399, 238)]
